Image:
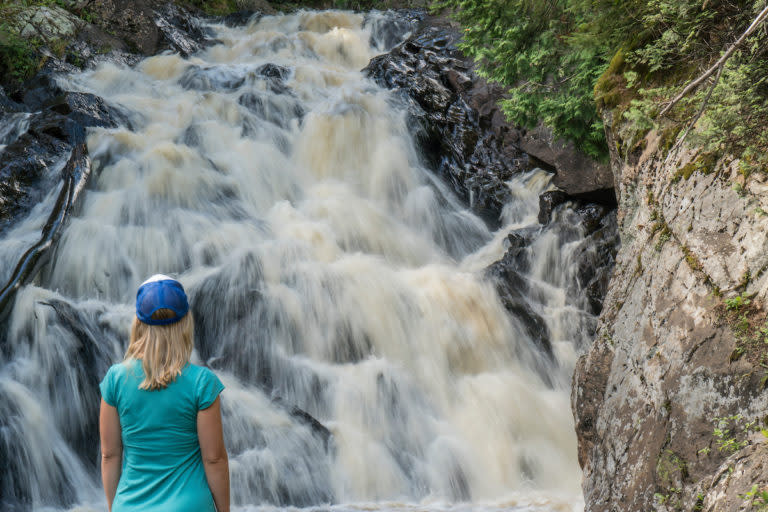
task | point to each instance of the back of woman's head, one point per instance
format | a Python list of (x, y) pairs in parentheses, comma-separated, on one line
[(162, 333), (164, 350)]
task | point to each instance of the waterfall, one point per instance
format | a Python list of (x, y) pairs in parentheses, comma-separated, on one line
[(338, 289)]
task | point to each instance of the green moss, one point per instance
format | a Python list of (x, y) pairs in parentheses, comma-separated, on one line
[(705, 163), (668, 137), (611, 86), (692, 260)]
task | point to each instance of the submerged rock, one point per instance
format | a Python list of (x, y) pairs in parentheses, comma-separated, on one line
[(512, 286)]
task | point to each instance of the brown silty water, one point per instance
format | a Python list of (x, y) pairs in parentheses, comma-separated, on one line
[(337, 286)]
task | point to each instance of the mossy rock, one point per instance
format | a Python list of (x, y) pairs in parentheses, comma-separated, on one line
[(704, 163), (46, 23)]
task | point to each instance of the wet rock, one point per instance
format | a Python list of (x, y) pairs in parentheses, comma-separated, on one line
[(454, 137), (28, 166), (512, 286), (42, 88), (240, 18), (275, 77), (7, 105), (87, 110), (388, 28), (50, 155), (29, 188), (211, 79), (218, 78), (596, 255), (274, 71), (182, 31), (548, 201)]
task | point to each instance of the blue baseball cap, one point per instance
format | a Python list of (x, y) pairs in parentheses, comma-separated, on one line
[(161, 292)]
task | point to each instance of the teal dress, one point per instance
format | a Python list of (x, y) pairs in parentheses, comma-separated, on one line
[(162, 466)]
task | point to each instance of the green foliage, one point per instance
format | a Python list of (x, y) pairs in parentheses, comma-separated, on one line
[(536, 48), (757, 497), (18, 58), (731, 432), (736, 303), (558, 56)]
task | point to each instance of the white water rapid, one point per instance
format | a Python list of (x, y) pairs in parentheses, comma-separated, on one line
[(337, 286)]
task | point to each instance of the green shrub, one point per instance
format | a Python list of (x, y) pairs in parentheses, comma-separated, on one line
[(558, 56)]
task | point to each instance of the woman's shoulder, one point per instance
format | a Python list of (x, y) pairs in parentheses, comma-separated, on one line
[(197, 371), (123, 367)]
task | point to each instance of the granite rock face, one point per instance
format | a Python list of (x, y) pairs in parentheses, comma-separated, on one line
[(667, 361)]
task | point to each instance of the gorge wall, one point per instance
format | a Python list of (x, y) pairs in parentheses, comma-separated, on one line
[(669, 398)]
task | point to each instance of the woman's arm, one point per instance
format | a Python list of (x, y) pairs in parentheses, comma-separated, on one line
[(215, 461), (111, 450)]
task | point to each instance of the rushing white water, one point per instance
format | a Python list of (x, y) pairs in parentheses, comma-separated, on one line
[(331, 275)]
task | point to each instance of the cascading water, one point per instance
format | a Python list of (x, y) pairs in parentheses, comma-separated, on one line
[(336, 284)]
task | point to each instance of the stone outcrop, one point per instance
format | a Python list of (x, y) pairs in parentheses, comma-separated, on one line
[(465, 136), (455, 137), (679, 345)]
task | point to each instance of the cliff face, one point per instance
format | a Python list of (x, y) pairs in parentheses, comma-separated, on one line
[(669, 399)]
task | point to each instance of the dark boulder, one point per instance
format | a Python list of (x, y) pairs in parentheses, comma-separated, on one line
[(28, 166), (46, 152), (88, 110), (37, 91), (455, 139), (548, 201), (240, 18), (214, 78), (181, 31), (389, 28), (512, 287)]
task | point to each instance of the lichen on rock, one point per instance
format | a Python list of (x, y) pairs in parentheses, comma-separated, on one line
[(661, 369)]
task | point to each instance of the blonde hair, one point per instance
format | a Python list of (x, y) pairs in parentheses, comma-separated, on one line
[(164, 350)]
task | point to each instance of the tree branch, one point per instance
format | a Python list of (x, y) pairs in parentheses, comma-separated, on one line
[(693, 85)]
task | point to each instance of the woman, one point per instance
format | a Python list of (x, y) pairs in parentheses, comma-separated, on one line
[(161, 436)]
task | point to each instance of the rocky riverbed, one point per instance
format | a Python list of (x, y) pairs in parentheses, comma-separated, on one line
[(462, 138)]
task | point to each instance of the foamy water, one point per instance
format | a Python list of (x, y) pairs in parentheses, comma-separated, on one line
[(329, 272)]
